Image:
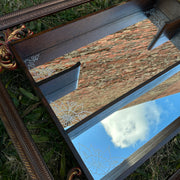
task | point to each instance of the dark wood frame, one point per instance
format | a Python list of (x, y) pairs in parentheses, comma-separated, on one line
[(24, 145), (37, 11)]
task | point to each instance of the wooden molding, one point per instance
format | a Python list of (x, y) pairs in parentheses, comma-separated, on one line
[(37, 11)]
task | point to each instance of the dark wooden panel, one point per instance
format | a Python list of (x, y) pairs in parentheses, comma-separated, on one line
[(172, 27), (72, 36), (144, 153), (171, 8), (120, 102), (37, 11), (60, 84), (176, 40)]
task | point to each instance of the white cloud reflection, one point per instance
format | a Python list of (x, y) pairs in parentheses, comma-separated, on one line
[(128, 126)]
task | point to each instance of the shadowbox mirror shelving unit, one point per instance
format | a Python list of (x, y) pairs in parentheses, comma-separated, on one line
[(104, 91)]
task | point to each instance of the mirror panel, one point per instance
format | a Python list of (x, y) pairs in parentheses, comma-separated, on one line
[(115, 138), (109, 68)]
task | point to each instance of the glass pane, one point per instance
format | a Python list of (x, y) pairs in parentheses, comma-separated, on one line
[(126, 130), (110, 67)]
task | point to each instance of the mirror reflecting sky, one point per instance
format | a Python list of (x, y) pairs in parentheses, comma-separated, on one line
[(114, 139)]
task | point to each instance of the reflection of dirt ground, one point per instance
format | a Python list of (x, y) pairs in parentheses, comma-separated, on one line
[(115, 64)]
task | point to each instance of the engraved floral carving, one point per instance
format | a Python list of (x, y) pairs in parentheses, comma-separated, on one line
[(7, 60), (74, 174)]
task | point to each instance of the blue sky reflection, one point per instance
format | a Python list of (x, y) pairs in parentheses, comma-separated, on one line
[(114, 139)]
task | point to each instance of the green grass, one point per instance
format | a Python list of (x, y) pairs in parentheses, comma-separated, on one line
[(160, 166)]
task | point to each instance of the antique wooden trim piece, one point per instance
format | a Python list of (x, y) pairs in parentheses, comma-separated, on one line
[(64, 39), (144, 153), (23, 142), (37, 11), (169, 8), (123, 100), (172, 27), (6, 37), (145, 4)]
